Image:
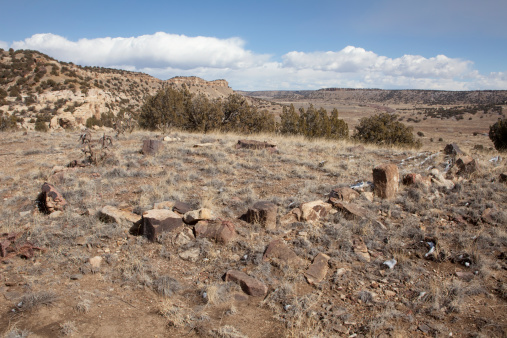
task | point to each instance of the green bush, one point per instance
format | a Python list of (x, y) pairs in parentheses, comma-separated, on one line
[(385, 129), (41, 126), (498, 134)]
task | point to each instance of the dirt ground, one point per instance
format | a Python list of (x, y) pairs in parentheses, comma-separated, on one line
[(49, 286)]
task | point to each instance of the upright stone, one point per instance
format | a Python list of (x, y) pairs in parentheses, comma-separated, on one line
[(157, 221), (151, 147), (317, 271), (50, 199), (264, 213), (385, 180)]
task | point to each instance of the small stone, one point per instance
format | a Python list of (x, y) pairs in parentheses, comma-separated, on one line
[(344, 194), (360, 249), (386, 179), (264, 213), (194, 216), (277, 249), (76, 276), (95, 262), (191, 255)]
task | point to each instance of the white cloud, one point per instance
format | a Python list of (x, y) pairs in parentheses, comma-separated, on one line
[(157, 50), (166, 55), (4, 45)]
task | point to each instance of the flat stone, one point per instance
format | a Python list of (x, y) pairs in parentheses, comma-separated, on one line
[(465, 275), (264, 213), (110, 214), (277, 249), (318, 269), (350, 211), (249, 285)]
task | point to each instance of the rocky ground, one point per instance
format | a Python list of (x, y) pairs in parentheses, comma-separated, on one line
[(175, 242)]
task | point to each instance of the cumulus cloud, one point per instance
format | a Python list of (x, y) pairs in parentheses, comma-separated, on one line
[(166, 55), (4, 45), (157, 50)]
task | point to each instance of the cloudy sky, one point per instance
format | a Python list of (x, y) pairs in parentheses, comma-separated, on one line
[(275, 44)]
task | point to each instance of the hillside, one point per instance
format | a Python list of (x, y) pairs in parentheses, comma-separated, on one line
[(34, 85)]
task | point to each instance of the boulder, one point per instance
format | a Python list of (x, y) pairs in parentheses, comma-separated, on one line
[(249, 285), (350, 211), (278, 250), (50, 199), (219, 230), (317, 271), (344, 194), (313, 211), (157, 221), (385, 180), (264, 213), (151, 147), (109, 214), (194, 216)]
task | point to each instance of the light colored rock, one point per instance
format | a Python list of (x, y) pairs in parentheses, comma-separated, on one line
[(360, 249), (191, 255), (95, 262), (164, 205), (344, 194), (315, 210), (194, 216), (110, 213), (439, 180)]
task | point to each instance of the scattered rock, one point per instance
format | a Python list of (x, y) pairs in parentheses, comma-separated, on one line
[(350, 211), (50, 199), (203, 145), (171, 139), (360, 249), (183, 237), (317, 271), (344, 194), (249, 285), (219, 230), (156, 221), (292, 216), (151, 147), (264, 213), (194, 216), (313, 211), (389, 293), (385, 180), (464, 275), (110, 214), (278, 250)]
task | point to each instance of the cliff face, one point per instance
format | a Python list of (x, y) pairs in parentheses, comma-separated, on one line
[(33, 85)]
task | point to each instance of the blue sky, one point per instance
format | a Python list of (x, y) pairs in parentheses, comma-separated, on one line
[(255, 45)]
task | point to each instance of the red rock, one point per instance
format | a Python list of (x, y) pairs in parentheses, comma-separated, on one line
[(277, 249), (313, 211), (50, 199), (385, 180), (318, 269), (467, 165), (349, 210), (361, 249), (248, 284), (264, 213), (219, 230)]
